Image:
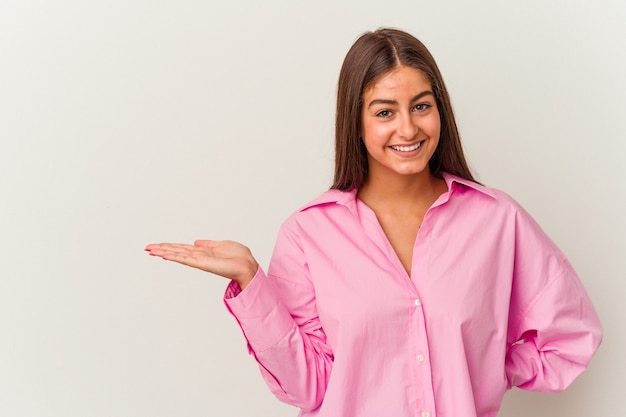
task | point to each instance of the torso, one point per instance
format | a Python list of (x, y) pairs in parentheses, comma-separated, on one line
[(401, 223), (401, 232)]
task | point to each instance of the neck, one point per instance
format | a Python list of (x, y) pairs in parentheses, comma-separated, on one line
[(410, 191)]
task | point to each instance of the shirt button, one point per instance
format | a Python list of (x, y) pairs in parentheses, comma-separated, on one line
[(420, 358), (425, 414), (418, 302)]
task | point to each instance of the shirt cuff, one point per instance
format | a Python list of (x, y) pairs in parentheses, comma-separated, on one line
[(258, 309)]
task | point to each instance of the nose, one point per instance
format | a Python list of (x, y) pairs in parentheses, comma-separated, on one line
[(407, 128)]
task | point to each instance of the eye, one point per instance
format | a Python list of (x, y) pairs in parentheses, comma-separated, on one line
[(384, 114), (421, 107)]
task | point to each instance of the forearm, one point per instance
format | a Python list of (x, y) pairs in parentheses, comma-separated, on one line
[(558, 337), (294, 357)]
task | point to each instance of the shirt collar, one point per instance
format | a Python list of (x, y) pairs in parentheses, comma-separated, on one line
[(347, 198), (343, 198), (452, 181)]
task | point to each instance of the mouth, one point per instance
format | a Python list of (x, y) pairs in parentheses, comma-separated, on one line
[(407, 148)]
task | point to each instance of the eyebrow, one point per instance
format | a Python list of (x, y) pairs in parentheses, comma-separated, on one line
[(394, 102)]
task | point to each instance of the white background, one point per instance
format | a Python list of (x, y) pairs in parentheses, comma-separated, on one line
[(124, 122)]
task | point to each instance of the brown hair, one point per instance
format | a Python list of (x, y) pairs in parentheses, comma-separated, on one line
[(373, 55)]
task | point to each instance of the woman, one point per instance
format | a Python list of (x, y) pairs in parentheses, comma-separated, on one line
[(408, 289)]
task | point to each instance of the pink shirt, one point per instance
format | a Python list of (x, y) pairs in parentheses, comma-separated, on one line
[(340, 330)]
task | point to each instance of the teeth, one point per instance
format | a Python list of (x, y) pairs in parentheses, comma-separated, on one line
[(406, 148)]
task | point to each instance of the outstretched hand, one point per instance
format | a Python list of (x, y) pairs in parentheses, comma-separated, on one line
[(226, 258)]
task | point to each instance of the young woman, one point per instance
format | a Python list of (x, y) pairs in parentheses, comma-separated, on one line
[(408, 289)]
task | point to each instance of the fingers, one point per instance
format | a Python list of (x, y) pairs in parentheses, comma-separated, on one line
[(225, 258), (181, 257), (189, 255), (159, 248), (198, 243), (156, 246), (175, 251), (203, 258)]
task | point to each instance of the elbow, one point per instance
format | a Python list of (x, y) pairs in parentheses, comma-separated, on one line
[(551, 368), (307, 394), (307, 402), (310, 404)]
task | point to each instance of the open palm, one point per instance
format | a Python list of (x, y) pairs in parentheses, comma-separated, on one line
[(226, 258)]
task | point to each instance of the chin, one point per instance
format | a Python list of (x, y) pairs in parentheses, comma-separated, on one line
[(413, 171)]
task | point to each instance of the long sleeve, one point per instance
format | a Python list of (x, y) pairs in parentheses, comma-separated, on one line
[(553, 328), (280, 322)]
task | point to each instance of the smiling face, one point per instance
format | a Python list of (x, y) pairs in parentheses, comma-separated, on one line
[(400, 124)]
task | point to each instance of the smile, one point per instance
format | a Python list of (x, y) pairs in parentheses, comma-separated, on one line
[(406, 148)]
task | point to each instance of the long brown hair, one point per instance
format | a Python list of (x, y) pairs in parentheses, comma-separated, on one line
[(373, 55)]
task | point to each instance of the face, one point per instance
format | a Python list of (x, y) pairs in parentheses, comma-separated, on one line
[(400, 124)]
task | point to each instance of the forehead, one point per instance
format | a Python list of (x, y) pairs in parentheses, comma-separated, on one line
[(399, 80)]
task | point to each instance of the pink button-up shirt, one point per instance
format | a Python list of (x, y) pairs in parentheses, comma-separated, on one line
[(340, 330)]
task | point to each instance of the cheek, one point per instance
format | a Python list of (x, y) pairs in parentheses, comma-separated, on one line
[(374, 142), (433, 127), (368, 135), (376, 132), (437, 130), (370, 146)]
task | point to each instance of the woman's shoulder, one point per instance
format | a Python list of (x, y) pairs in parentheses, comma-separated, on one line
[(474, 203), (324, 205), (483, 200)]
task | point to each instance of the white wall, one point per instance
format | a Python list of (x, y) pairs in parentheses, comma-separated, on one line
[(124, 122)]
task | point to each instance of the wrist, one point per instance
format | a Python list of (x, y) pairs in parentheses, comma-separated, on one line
[(248, 276)]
